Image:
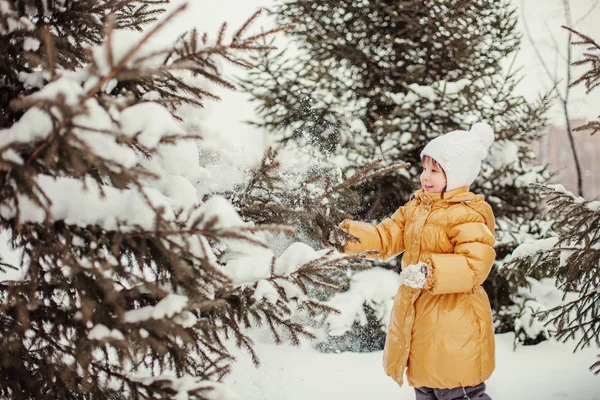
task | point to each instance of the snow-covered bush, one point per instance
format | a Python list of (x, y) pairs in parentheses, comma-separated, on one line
[(364, 312)]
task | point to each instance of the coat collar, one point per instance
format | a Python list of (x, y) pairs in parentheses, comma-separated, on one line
[(457, 195)]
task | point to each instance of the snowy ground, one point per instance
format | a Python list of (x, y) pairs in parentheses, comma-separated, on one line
[(547, 371)]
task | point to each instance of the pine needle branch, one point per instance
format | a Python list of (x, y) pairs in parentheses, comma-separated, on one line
[(362, 176), (114, 71)]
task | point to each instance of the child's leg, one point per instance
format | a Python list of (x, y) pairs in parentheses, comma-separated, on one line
[(462, 393), (424, 393)]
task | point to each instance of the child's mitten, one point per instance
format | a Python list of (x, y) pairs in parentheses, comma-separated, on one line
[(415, 275)]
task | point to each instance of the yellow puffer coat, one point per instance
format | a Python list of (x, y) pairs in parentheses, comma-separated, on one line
[(442, 333)]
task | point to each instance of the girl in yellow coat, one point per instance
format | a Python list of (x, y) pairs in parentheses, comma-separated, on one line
[(440, 330)]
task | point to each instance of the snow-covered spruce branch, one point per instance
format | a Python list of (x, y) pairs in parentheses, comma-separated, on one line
[(134, 14), (529, 258), (574, 258), (65, 120), (62, 21), (107, 67), (192, 55), (128, 58), (591, 58), (315, 202), (591, 77), (577, 316), (281, 294)]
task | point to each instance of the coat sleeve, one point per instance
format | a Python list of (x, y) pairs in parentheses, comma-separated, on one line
[(471, 232), (386, 237)]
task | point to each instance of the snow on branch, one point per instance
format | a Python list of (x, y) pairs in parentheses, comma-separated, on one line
[(573, 256), (374, 288)]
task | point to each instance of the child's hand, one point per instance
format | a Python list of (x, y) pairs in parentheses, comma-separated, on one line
[(415, 275)]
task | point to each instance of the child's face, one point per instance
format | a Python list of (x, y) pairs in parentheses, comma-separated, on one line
[(433, 178)]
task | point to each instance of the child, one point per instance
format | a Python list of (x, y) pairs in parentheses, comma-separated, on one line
[(440, 328)]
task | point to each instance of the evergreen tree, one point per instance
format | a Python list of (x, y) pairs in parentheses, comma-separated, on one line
[(370, 80), (131, 286), (571, 252)]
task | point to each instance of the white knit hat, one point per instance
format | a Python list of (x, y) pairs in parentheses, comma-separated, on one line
[(460, 153)]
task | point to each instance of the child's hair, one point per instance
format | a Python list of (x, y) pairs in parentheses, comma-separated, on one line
[(427, 159)]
